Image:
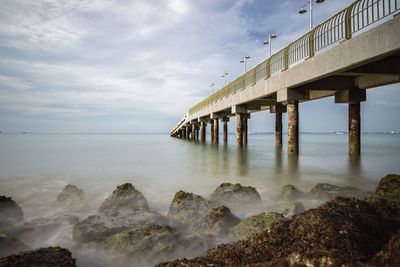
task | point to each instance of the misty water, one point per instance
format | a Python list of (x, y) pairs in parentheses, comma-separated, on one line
[(34, 168)]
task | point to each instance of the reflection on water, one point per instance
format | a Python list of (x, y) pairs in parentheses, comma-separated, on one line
[(35, 168)]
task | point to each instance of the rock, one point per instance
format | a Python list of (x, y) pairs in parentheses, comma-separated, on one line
[(11, 245), (124, 197), (235, 196), (327, 191), (124, 209), (218, 221), (389, 209), (39, 231), (389, 255), (10, 213), (71, 193), (289, 192), (290, 209), (153, 243), (340, 231), (389, 186), (43, 257), (254, 225), (187, 209)]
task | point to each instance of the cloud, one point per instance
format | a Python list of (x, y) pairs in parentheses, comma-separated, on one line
[(130, 60)]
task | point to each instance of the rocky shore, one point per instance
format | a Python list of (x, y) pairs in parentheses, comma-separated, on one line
[(351, 227)]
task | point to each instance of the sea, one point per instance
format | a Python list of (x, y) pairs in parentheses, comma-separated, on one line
[(34, 168)]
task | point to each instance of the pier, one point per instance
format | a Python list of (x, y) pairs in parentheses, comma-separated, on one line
[(356, 49)]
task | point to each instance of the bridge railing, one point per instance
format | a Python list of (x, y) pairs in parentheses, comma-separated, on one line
[(354, 18)]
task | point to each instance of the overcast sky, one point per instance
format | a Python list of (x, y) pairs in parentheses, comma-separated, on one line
[(128, 65)]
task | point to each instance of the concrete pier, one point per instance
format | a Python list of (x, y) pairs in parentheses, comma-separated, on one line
[(212, 130), (354, 129), (187, 130), (225, 120), (278, 130), (245, 118), (193, 134), (216, 131), (203, 126), (293, 127), (239, 130)]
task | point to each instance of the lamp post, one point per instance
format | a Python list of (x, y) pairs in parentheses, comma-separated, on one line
[(303, 10), (243, 60), (224, 76), (212, 89), (268, 41)]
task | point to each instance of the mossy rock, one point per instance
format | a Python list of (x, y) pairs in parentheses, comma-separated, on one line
[(389, 186), (290, 192), (187, 209), (218, 221), (254, 224), (325, 191), (125, 196), (71, 193), (11, 245), (10, 213), (235, 195)]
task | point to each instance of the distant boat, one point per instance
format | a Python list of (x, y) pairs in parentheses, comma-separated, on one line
[(25, 133), (393, 132), (339, 132)]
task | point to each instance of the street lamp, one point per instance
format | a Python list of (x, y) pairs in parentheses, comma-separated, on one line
[(211, 86), (268, 40), (303, 10), (243, 60), (224, 76)]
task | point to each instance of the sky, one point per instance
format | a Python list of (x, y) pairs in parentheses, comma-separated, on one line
[(136, 66)]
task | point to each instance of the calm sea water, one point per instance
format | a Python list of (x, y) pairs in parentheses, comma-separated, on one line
[(35, 168)]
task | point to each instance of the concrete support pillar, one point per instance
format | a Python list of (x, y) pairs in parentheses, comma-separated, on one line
[(225, 132), (278, 129), (216, 131), (354, 129), (212, 130), (239, 130), (193, 131), (203, 126), (183, 133), (197, 133), (245, 128), (187, 132), (293, 127)]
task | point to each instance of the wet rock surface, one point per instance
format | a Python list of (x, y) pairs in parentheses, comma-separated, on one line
[(290, 192), (187, 209), (235, 196), (124, 209), (218, 221), (43, 257), (389, 186), (254, 225), (40, 230), (71, 193), (291, 208), (340, 231), (389, 255), (325, 191), (10, 213), (10, 245)]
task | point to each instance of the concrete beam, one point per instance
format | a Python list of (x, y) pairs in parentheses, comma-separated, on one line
[(225, 119), (370, 81), (353, 95), (279, 108), (333, 83), (215, 116), (287, 94), (238, 110)]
